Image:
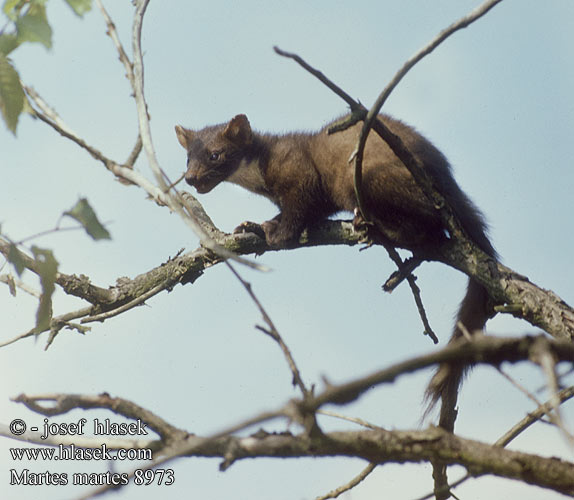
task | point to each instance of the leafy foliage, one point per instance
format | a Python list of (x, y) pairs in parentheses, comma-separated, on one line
[(85, 215), (15, 258), (47, 267), (11, 94), (45, 264), (33, 26), (29, 24), (80, 7)]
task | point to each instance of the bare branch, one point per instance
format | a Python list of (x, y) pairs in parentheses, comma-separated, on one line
[(441, 37), (134, 153), (355, 420), (321, 77), (532, 417), (481, 349), (540, 307), (351, 484), (50, 117), (113, 34), (128, 293), (16, 283), (380, 446), (547, 362), (517, 429), (138, 301), (274, 334), (59, 404), (122, 172)]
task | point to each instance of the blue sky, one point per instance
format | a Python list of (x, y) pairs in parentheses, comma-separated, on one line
[(496, 98)]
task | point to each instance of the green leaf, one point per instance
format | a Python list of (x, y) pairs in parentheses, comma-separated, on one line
[(8, 42), (33, 26), (47, 267), (80, 7), (85, 215), (11, 8), (11, 94), (15, 258)]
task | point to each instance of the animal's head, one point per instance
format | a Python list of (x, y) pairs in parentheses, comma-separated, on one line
[(214, 153)]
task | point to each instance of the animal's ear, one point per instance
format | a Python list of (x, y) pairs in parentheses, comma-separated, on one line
[(238, 130), (184, 136)]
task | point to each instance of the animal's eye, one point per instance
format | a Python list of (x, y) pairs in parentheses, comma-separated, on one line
[(214, 156)]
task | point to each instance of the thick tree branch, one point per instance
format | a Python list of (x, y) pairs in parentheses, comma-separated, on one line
[(482, 349), (539, 307), (375, 445), (521, 298), (129, 293), (380, 446)]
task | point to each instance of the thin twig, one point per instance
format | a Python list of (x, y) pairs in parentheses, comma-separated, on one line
[(517, 429), (354, 420), (16, 283), (534, 416), (321, 77), (273, 333), (56, 320), (519, 386), (138, 301), (548, 364), (400, 275), (351, 484), (51, 118), (113, 34), (411, 279), (134, 153)]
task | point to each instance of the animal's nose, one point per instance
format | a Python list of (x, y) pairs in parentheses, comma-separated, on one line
[(190, 178)]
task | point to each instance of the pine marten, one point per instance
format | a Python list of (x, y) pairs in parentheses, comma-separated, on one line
[(307, 175)]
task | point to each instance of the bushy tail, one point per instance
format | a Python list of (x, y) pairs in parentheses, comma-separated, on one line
[(473, 314)]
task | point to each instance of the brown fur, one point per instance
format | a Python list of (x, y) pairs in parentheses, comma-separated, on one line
[(309, 178)]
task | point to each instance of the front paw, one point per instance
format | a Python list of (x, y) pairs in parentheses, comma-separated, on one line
[(274, 234), (277, 235), (250, 227)]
